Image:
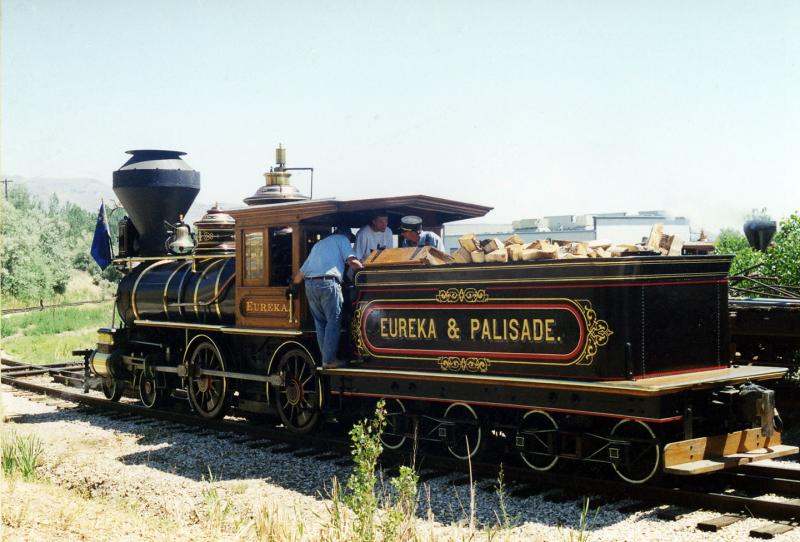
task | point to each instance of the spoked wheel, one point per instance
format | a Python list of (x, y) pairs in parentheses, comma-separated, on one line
[(465, 437), (299, 398), (644, 451), (112, 388), (149, 393), (394, 434), (208, 394), (537, 437)]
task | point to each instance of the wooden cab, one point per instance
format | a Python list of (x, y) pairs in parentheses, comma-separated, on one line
[(273, 241)]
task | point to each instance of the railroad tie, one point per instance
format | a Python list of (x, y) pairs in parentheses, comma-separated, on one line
[(720, 522), (672, 513), (771, 530)]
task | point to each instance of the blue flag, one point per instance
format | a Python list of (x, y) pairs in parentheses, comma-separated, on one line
[(101, 244)]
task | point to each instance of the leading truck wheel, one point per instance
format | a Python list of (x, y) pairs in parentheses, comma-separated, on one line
[(299, 396), (149, 393), (643, 457), (208, 393), (112, 388)]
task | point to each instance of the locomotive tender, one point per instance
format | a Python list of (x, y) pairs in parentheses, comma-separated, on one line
[(620, 360)]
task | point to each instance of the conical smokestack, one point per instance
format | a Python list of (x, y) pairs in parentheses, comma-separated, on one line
[(154, 186)]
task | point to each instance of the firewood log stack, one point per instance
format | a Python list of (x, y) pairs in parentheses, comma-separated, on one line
[(515, 249)]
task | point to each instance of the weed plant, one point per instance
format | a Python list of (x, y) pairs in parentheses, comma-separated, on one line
[(20, 455)]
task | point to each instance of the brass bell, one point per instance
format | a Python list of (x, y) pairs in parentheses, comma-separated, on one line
[(182, 240)]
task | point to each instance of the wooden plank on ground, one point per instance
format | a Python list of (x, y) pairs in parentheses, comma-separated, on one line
[(715, 524), (771, 530)]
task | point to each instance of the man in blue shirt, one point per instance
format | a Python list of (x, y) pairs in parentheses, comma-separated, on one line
[(322, 273), (414, 236)]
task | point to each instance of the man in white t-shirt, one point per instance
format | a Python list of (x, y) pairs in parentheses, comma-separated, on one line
[(376, 235)]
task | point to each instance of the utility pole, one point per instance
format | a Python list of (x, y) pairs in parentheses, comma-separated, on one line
[(5, 182)]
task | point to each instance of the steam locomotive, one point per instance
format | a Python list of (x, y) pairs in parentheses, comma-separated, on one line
[(622, 361)]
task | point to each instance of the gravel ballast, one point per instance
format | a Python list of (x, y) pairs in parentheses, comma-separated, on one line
[(177, 481)]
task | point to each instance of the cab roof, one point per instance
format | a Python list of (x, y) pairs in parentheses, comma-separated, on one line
[(356, 213)]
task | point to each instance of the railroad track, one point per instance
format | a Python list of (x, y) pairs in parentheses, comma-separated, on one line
[(736, 494)]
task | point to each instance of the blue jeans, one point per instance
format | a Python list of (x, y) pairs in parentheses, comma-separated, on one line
[(325, 301)]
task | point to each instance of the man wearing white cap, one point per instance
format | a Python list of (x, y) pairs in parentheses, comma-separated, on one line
[(414, 236)]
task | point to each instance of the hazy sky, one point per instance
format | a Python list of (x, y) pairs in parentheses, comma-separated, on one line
[(532, 107)]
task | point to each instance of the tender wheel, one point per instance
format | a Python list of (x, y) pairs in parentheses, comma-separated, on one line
[(537, 436), (112, 389), (208, 394), (644, 452), (149, 392), (299, 398), (465, 437), (394, 434)]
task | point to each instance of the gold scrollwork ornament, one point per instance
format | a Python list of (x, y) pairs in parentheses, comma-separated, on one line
[(462, 295), (598, 333), (470, 364)]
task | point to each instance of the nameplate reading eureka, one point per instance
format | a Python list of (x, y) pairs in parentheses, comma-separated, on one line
[(558, 331), (254, 305)]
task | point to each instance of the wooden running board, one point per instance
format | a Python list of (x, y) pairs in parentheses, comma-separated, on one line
[(707, 454)]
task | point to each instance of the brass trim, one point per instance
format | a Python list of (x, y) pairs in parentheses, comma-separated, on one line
[(166, 290), (135, 259), (484, 280), (216, 291), (178, 325), (146, 270), (266, 332), (626, 261), (199, 282)]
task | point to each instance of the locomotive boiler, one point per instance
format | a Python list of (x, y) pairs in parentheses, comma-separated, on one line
[(622, 361)]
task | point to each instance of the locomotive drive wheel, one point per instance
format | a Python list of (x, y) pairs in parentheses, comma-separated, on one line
[(208, 394), (644, 452), (112, 389), (465, 437), (150, 394), (394, 434), (539, 430), (298, 399)]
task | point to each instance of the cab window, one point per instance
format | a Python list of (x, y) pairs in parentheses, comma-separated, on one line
[(253, 256), (280, 255)]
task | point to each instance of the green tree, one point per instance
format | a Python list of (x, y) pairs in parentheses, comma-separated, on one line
[(783, 257), (732, 242)]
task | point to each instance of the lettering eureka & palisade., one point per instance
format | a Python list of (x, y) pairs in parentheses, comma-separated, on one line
[(525, 330)]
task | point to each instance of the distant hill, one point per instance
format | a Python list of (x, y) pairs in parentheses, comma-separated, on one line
[(87, 193)]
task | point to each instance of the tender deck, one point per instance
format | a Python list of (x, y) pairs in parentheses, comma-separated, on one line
[(647, 387)]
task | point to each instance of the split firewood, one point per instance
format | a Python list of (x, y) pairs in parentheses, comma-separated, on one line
[(514, 252), (478, 256), (462, 255), (599, 243), (538, 254), (654, 240), (469, 242), (492, 245), (676, 247), (499, 255), (514, 239)]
